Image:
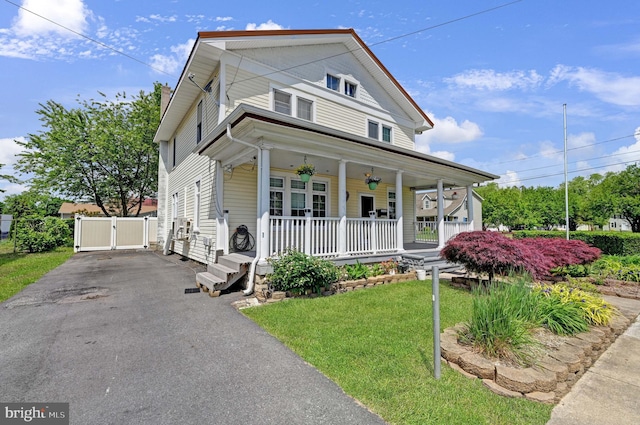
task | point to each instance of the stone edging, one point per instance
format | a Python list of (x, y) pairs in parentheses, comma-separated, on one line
[(263, 295), (550, 379)]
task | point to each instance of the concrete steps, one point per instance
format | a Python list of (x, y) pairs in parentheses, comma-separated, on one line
[(426, 260), (220, 276)]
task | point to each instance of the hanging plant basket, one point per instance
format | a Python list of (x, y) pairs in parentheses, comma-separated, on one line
[(372, 181), (305, 171)]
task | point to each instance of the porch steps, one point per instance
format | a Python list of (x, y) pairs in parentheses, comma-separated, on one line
[(426, 260), (220, 276)]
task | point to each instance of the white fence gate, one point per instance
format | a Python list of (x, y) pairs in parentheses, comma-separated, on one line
[(107, 233)]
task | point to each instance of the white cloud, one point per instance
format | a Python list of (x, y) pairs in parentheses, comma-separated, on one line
[(509, 178), (626, 154), (161, 18), (269, 25), (447, 130), (609, 87), (489, 79), (583, 141), (223, 18), (69, 13), (9, 151), (172, 62)]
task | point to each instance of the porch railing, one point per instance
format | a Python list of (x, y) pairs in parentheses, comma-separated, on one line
[(321, 236), (427, 231), (452, 228)]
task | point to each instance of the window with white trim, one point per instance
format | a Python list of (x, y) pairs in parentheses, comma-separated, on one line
[(196, 206), (305, 109), (281, 102), (350, 89), (319, 193), (276, 196), (386, 133), (298, 197), (175, 199), (290, 196), (391, 204), (173, 153), (378, 131), (333, 82), (199, 123)]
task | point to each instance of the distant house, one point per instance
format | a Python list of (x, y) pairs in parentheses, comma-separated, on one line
[(5, 225), (617, 224), (455, 207), (70, 209)]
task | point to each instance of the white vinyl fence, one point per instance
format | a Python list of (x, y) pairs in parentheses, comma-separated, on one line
[(107, 233)]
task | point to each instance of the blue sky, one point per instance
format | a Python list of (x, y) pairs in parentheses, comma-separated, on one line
[(492, 75)]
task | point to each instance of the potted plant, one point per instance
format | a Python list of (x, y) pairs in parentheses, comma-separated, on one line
[(305, 171), (372, 181)]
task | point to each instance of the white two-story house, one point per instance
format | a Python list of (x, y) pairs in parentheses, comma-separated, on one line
[(252, 106)]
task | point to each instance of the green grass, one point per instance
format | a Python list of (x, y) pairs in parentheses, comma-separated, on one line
[(377, 344), (21, 269)]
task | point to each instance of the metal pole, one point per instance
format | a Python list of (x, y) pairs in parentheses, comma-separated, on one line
[(435, 285), (566, 182)]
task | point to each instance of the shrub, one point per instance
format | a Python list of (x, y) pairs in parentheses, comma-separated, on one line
[(619, 268), (562, 252), (37, 234), (492, 253), (594, 309), (501, 317), (610, 243), (297, 272), (357, 271)]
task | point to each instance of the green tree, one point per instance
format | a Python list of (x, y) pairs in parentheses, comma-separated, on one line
[(624, 194), (32, 203), (7, 177), (102, 151)]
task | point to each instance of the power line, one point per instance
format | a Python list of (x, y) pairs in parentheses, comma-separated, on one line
[(571, 149), (570, 172), (106, 46), (575, 162), (386, 40)]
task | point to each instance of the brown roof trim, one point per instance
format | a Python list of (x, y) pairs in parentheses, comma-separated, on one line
[(351, 31), (260, 33), (389, 148)]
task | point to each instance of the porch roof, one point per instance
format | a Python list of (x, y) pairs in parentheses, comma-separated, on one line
[(291, 139)]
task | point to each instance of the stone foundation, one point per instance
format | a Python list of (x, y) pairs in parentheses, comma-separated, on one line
[(552, 376)]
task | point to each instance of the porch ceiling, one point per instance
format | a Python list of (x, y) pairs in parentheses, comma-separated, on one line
[(291, 139)]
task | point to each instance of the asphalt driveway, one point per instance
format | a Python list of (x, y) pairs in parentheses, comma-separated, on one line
[(114, 335)]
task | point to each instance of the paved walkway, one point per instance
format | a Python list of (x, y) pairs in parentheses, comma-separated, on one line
[(609, 392), (115, 335)]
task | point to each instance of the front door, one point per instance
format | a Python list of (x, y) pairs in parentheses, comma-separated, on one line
[(366, 205)]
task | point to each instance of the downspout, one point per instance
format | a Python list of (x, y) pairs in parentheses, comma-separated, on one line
[(252, 269)]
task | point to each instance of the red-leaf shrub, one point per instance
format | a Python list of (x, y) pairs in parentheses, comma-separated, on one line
[(562, 252), (493, 253)]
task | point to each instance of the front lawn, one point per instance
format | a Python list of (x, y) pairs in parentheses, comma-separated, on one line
[(377, 344), (19, 269)]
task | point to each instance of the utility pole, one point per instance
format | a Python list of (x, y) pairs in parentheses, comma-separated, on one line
[(566, 182)]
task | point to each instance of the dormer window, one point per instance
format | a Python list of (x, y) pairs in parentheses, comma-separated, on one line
[(333, 82), (350, 89), (342, 84)]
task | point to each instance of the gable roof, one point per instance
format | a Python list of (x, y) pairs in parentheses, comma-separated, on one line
[(210, 45)]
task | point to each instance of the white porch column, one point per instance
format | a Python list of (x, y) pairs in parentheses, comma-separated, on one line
[(222, 223), (399, 210), (440, 200), (342, 207), (263, 197), (222, 99), (470, 214)]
